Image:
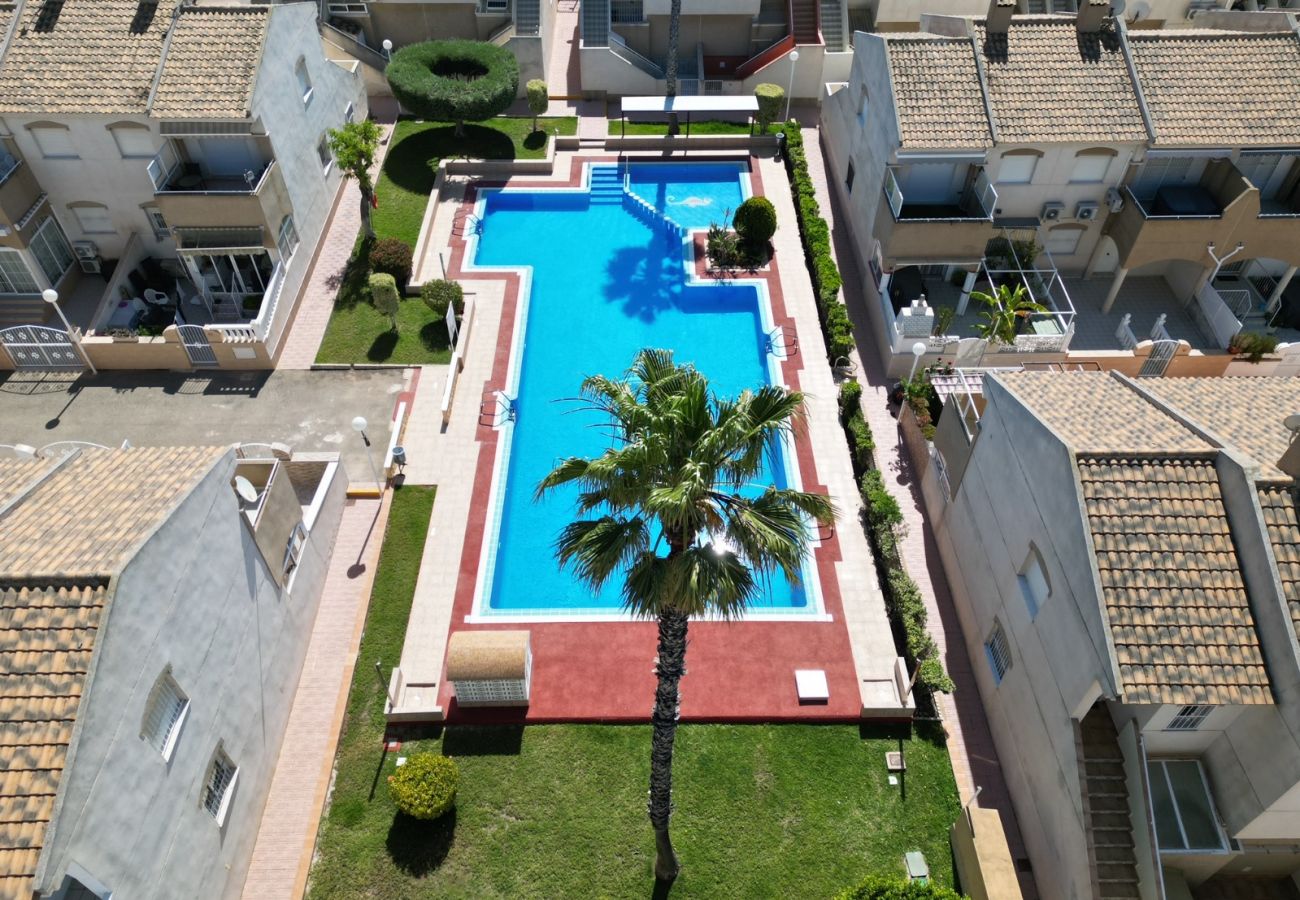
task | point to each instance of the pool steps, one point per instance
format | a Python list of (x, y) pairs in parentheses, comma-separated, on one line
[(611, 185)]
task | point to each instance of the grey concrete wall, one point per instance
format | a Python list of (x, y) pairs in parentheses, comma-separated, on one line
[(295, 131), (197, 597), (1019, 487)]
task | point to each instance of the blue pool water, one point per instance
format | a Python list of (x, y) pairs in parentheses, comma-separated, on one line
[(605, 283)]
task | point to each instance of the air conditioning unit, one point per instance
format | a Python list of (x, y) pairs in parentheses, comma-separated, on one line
[(85, 249), (1052, 211), (1087, 210), (1114, 199), (90, 266)]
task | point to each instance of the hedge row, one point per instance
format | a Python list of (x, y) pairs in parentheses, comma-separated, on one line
[(883, 517), (816, 234)]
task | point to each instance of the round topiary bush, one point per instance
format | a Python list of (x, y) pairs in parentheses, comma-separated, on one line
[(438, 294), (456, 81), (392, 256), (770, 97), (878, 888), (755, 220), (425, 787)]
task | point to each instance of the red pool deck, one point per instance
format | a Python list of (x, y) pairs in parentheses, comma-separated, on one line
[(604, 671)]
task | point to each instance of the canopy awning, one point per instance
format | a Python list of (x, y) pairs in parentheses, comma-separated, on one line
[(735, 103)]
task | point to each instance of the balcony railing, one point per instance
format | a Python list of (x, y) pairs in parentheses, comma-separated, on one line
[(171, 174), (976, 202), (1158, 206), (8, 165)]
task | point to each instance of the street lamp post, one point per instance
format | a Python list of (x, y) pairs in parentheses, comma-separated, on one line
[(918, 350), (794, 58), (51, 296), (388, 49), (359, 425)]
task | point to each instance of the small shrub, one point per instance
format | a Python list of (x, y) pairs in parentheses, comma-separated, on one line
[(438, 294), (392, 256), (850, 400), (770, 97), (755, 221), (383, 293), (722, 247), (425, 787), (882, 508), (877, 887), (943, 317), (1252, 345), (839, 332), (539, 98), (862, 445)]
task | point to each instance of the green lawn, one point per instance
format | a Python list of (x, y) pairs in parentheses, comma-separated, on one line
[(359, 333), (418, 147), (557, 811), (706, 126)]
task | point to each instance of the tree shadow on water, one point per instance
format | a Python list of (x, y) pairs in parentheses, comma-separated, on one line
[(416, 846), (646, 280)]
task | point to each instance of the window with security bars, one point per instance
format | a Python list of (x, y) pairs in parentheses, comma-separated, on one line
[(998, 652), (15, 277), (164, 712), (218, 785), (1189, 718)]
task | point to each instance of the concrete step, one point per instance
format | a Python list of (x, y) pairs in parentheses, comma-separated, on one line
[(1109, 821), (1103, 768), (1110, 854), (1107, 803), (1119, 891)]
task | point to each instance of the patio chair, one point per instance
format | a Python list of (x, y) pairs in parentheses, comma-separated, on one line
[(157, 298)]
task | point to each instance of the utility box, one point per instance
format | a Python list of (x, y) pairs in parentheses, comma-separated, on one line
[(490, 668)]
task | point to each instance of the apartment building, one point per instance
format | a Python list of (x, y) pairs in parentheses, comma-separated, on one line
[(905, 15), (166, 173), (1109, 172), (155, 609), (1123, 555)]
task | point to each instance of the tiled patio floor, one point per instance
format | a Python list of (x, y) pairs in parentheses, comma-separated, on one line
[(1145, 298)]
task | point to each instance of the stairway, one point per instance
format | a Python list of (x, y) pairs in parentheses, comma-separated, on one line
[(803, 24), (23, 311), (1106, 794), (833, 26), (606, 186)]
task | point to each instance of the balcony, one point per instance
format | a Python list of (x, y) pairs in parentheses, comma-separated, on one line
[(19, 189), (940, 210), (240, 187)]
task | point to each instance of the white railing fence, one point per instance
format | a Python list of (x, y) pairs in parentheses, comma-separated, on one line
[(1219, 317)]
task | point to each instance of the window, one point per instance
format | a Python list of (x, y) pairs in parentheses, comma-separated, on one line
[(133, 142), (323, 151), (1063, 240), (293, 552), (51, 250), (1033, 582), (1161, 170), (157, 222), (1181, 805), (287, 240), (998, 653), (15, 277), (1189, 718), (848, 178), (53, 141), (1017, 168), (219, 785), (350, 114), (1090, 166), (164, 712), (304, 80), (864, 104), (94, 219)]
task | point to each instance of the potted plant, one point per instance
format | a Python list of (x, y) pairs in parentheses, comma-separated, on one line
[(1008, 311)]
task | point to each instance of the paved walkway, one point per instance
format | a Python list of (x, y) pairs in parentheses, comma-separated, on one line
[(970, 743), (312, 317), (286, 839)]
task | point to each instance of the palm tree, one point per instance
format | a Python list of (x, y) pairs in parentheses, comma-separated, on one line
[(670, 70), (664, 509), (1006, 308)]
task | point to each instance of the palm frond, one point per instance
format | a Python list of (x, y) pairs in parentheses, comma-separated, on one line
[(598, 548)]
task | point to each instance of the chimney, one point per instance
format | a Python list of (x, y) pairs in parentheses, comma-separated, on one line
[(999, 17), (1290, 461), (1092, 15)]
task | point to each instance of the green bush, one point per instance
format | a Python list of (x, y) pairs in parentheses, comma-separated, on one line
[(454, 81), (850, 400), (383, 293), (770, 97), (755, 221), (839, 332), (862, 445), (1252, 345), (539, 98), (425, 787), (882, 508), (877, 887), (392, 256), (438, 294)]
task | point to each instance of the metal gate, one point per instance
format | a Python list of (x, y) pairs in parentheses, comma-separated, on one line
[(197, 347), (40, 347), (1162, 352)]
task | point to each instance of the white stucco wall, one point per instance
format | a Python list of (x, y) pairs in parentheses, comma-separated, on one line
[(198, 597)]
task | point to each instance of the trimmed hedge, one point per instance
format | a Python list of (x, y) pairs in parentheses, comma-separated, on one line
[(456, 81), (877, 887), (439, 294), (850, 400), (425, 787), (392, 256), (770, 97)]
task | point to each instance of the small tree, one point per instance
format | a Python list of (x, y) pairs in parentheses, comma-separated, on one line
[(539, 98), (454, 81), (354, 147), (1007, 308), (383, 293), (770, 97)]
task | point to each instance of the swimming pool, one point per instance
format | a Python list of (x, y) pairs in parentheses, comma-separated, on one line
[(604, 276)]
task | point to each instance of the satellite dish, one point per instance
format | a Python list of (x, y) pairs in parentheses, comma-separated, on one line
[(1292, 422), (1138, 10), (244, 488)]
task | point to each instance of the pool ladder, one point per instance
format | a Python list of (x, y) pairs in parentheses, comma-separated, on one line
[(466, 223), (497, 409), (780, 344)]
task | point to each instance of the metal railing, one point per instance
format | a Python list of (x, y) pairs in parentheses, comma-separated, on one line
[(8, 165), (350, 45), (981, 191), (1148, 214), (257, 330), (628, 55)]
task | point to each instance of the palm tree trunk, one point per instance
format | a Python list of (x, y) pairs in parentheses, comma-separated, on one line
[(669, 667), (670, 72)]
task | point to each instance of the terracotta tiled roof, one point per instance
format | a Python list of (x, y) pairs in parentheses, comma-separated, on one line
[(1278, 502), (1094, 413), (83, 519), (212, 63), (15, 474), (46, 637), (1220, 88), (937, 92), (95, 56), (1048, 82), (1245, 413), (1171, 582)]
